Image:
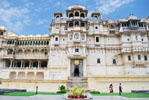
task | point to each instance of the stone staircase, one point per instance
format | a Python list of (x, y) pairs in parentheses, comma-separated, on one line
[(81, 81)]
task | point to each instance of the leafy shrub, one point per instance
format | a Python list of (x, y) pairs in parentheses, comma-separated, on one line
[(77, 91), (62, 89), (94, 92)]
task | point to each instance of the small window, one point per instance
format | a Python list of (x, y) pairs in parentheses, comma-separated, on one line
[(96, 17), (112, 27), (136, 37), (129, 58), (76, 49), (83, 37), (97, 39), (57, 27), (70, 24), (70, 37), (77, 23), (114, 61), (140, 24), (45, 53), (70, 15), (82, 15), (1, 33), (139, 57), (142, 39), (145, 57), (56, 39), (98, 61), (76, 13), (57, 17), (96, 27), (82, 24)]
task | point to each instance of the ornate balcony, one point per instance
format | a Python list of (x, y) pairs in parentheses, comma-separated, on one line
[(37, 56), (7, 56)]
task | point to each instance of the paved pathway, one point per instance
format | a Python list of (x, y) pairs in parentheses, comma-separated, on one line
[(57, 97)]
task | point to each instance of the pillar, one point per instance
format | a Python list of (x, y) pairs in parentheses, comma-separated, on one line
[(21, 63), (38, 64), (10, 63), (30, 64)]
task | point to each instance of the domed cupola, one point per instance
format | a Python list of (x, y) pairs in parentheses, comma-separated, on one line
[(58, 14)]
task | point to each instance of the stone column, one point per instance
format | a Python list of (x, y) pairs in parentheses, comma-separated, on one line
[(38, 64), (25, 75), (34, 75), (30, 63), (10, 63), (16, 75), (21, 63)]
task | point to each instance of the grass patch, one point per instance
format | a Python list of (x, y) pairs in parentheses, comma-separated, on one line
[(19, 94), (128, 95), (30, 93)]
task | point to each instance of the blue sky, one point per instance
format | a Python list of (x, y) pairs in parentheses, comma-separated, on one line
[(35, 16)]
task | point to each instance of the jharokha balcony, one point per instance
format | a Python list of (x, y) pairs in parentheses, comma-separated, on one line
[(25, 56)]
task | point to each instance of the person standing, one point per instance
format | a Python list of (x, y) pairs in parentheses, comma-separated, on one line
[(120, 89), (111, 88)]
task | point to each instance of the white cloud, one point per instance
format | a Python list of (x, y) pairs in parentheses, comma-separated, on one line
[(14, 18), (109, 6), (57, 4), (42, 21), (29, 4), (4, 4)]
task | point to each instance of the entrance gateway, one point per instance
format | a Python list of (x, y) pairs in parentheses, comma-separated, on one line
[(76, 68), (77, 74)]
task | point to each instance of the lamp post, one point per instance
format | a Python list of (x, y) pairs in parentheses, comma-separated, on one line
[(36, 90)]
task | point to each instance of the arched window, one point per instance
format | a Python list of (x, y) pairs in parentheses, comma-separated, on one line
[(47, 42), (76, 13), (35, 64), (82, 15), (10, 51), (82, 24), (41, 42), (114, 61), (98, 60), (12, 75), (77, 23), (56, 39), (40, 76), (8, 63), (57, 17), (19, 64), (44, 64), (70, 24), (70, 15), (27, 64)]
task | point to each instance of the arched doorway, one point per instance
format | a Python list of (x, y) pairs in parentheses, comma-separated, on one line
[(12, 75), (40, 76), (30, 75), (76, 71), (21, 75)]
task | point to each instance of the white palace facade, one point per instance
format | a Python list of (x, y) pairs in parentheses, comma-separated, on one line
[(80, 50)]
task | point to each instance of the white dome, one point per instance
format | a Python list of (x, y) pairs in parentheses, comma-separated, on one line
[(76, 6), (2, 28), (132, 17)]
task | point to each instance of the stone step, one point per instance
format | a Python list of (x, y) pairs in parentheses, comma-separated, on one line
[(81, 81)]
